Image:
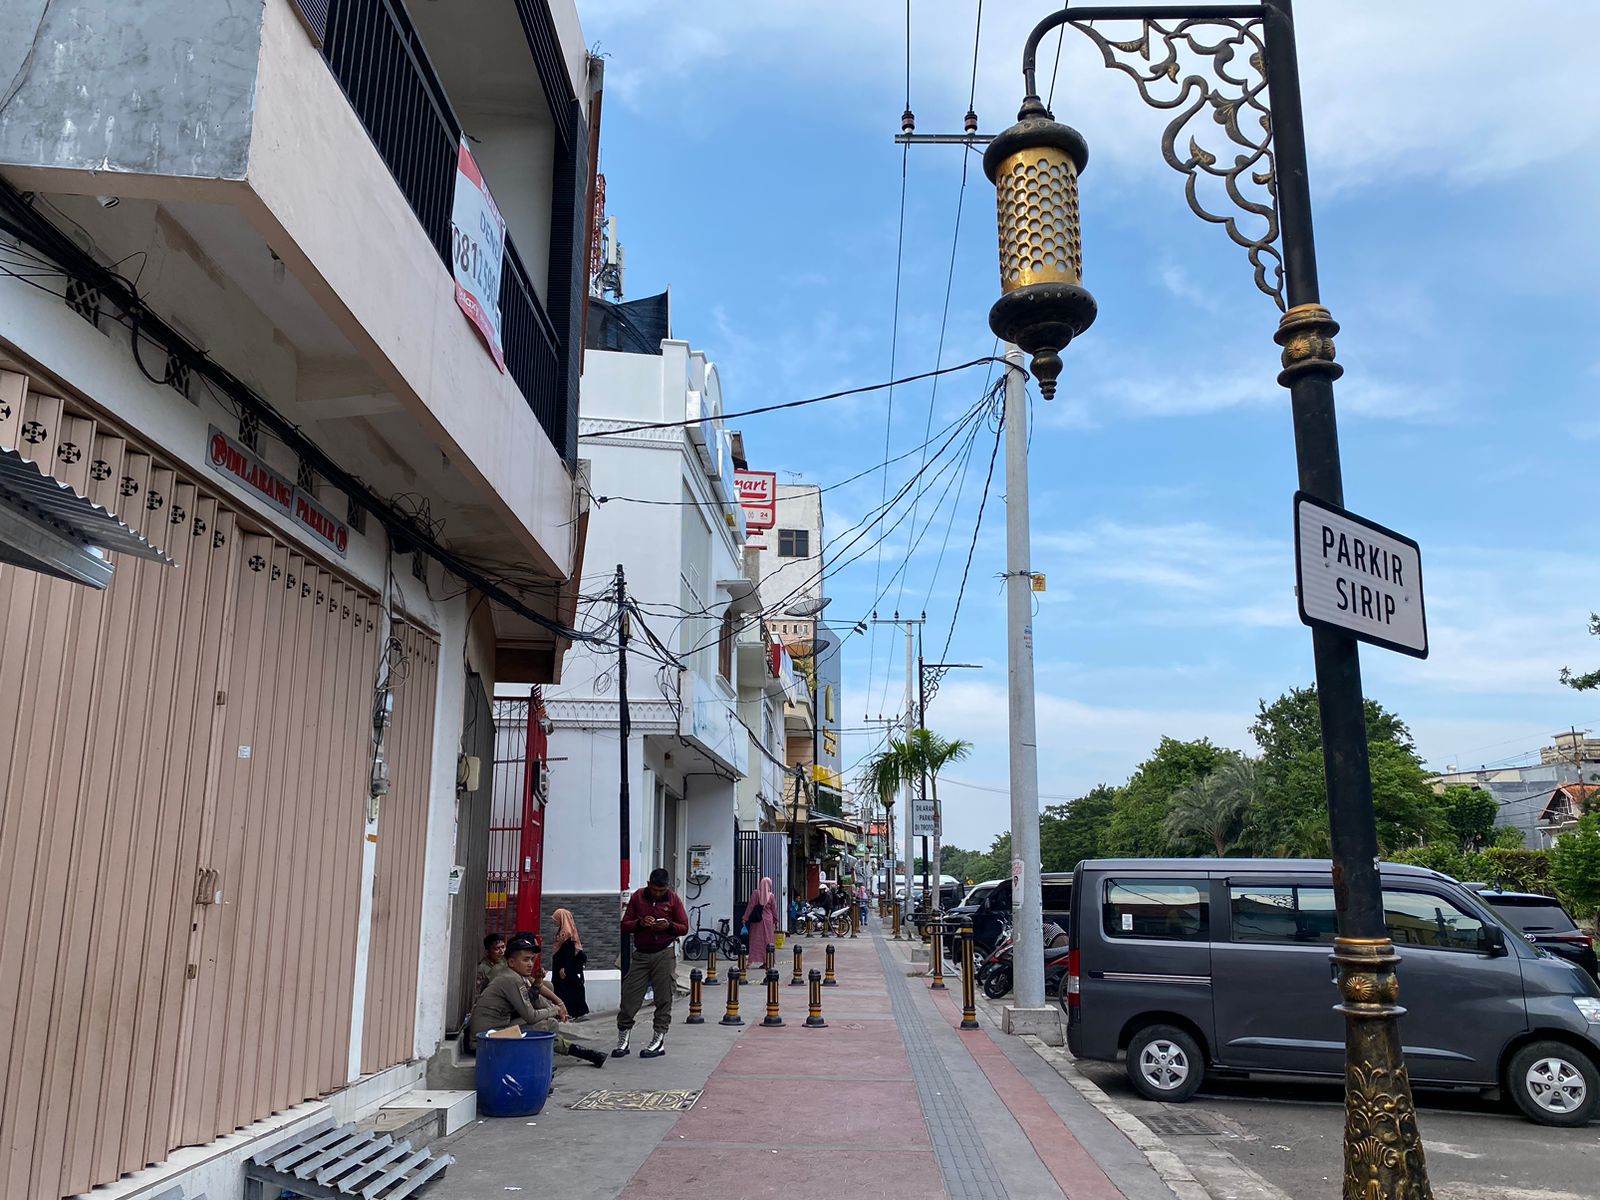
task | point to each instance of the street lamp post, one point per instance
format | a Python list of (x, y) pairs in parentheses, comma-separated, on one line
[(1250, 49)]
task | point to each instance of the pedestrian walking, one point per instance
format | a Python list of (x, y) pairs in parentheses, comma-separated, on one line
[(566, 965), (761, 918), (513, 997), (861, 901), (655, 919), (492, 962)]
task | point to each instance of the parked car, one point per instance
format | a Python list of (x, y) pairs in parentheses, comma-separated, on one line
[(1543, 921), (1193, 965)]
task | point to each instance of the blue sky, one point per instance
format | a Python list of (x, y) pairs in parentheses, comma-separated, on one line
[(749, 155)]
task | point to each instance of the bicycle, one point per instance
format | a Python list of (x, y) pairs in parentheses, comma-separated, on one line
[(703, 940)]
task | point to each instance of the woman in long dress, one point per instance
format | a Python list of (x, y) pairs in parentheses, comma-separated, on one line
[(567, 965), (761, 918)]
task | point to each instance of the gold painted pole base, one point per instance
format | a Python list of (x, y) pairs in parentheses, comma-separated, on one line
[(1383, 1157)]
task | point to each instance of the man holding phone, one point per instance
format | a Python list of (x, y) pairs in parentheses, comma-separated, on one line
[(655, 919)]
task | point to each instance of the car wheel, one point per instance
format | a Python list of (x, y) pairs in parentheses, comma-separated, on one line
[(1554, 1084), (1165, 1063)]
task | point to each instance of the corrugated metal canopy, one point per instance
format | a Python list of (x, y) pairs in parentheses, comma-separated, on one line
[(46, 526)]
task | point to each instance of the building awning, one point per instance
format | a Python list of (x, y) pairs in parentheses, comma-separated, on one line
[(836, 835), (45, 526)]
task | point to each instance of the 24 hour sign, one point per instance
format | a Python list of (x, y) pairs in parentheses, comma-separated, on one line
[(1357, 576)]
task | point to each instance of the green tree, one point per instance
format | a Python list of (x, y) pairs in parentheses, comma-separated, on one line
[(1079, 829), (1470, 814), (1591, 679), (922, 754), (1209, 813), (1140, 806), (1294, 804), (1575, 866)]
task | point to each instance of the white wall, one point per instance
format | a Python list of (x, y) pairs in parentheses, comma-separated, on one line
[(710, 823)]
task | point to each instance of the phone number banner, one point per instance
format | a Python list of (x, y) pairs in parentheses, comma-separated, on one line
[(478, 251)]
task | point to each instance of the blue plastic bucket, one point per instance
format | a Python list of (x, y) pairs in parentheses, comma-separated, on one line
[(514, 1074)]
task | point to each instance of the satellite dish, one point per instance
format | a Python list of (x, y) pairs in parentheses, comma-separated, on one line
[(808, 608)]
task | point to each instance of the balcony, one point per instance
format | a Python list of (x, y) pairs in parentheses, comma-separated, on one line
[(286, 184)]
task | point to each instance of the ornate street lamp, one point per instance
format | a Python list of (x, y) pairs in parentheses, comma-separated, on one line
[(1244, 104)]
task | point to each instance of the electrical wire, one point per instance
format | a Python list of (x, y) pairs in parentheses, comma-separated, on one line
[(977, 527)]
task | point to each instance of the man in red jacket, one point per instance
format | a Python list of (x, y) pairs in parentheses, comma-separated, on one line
[(655, 919)]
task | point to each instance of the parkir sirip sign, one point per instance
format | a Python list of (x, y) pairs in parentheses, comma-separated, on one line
[(1356, 576)]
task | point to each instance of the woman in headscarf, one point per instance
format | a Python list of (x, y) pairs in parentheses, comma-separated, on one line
[(761, 918), (567, 963)]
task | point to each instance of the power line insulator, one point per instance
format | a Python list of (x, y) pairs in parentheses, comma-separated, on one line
[(971, 123), (908, 122)]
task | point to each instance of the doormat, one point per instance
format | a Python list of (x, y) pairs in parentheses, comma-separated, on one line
[(605, 1101), (1179, 1125)]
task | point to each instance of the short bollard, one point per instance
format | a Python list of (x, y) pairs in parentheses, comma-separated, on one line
[(711, 965), (773, 1017), (799, 976), (771, 963), (731, 1015), (936, 953), (696, 1016), (855, 918), (969, 1000), (744, 960), (827, 976), (897, 921), (814, 1016)]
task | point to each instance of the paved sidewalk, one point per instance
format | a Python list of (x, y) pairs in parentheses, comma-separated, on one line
[(890, 1101)]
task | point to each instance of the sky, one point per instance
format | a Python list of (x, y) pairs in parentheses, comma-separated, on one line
[(1454, 157)]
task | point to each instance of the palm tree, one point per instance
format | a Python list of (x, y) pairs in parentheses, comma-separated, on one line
[(930, 753), (1213, 808), (883, 776)]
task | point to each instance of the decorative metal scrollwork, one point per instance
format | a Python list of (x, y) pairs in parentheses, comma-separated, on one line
[(99, 470), (33, 432), (69, 453), (257, 562), (129, 486), (1236, 102), (276, 571), (153, 500)]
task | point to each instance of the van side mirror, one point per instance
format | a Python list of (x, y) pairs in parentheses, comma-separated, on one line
[(1492, 941)]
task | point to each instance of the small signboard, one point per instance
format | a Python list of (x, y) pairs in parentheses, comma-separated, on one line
[(922, 818), (1358, 577), (244, 467), (478, 251), (758, 496)]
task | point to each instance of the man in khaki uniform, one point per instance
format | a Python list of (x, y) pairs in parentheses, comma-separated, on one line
[(655, 919), (513, 998)]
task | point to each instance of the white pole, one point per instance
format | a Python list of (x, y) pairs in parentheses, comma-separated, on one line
[(910, 724), (1028, 954)]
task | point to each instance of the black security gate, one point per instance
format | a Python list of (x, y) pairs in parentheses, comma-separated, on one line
[(747, 869)]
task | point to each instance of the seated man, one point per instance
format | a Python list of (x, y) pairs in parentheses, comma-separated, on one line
[(514, 998)]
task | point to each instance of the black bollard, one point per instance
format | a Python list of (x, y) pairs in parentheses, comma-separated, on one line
[(731, 1015), (969, 999), (771, 961), (711, 965), (799, 976), (773, 1017), (695, 1017), (827, 976), (814, 1017), (744, 961), (937, 947)]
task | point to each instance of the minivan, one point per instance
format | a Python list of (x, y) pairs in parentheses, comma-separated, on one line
[(1189, 966)]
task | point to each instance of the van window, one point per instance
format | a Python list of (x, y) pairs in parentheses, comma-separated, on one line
[(1271, 913), (1056, 897), (1155, 908), (1418, 919)]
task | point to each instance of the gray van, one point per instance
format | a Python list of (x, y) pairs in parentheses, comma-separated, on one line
[(1222, 965)]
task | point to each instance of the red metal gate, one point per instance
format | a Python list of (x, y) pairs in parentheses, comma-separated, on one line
[(516, 831)]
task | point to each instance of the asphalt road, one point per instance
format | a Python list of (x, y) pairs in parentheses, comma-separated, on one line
[(1289, 1133)]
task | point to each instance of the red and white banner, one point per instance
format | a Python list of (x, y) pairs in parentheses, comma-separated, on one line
[(478, 251), (758, 496)]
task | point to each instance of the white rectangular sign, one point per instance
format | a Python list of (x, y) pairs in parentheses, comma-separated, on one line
[(1359, 577), (478, 251), (922, 818)]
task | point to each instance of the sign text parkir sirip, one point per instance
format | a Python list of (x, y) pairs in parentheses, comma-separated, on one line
[(1358, 577)]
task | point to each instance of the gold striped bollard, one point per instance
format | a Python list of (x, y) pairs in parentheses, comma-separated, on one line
[(771, 961), (827, 976), (855, 916), (773, 1017), (744, 960), (799, 975), (814, 1016), (711, 966), (937, 955), (897, 920), (731, 1015), (696, 1016), (969, 998)]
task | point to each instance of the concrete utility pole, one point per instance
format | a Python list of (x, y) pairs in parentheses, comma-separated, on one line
[(910, 711), (1028, 1014)]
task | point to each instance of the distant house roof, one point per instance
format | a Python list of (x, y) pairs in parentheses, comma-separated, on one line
[(1569, 801), (631, 327)]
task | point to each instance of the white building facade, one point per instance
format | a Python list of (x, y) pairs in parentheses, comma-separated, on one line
[(704, 689), (240, 764)]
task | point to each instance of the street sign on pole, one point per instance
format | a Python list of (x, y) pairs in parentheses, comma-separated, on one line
[(1356, 576), (922, 818)]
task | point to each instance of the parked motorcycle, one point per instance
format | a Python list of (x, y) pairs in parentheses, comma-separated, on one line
[(814, 918), (995, 975)]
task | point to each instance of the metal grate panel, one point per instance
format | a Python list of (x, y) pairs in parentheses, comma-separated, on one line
[(1179, 1125)]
